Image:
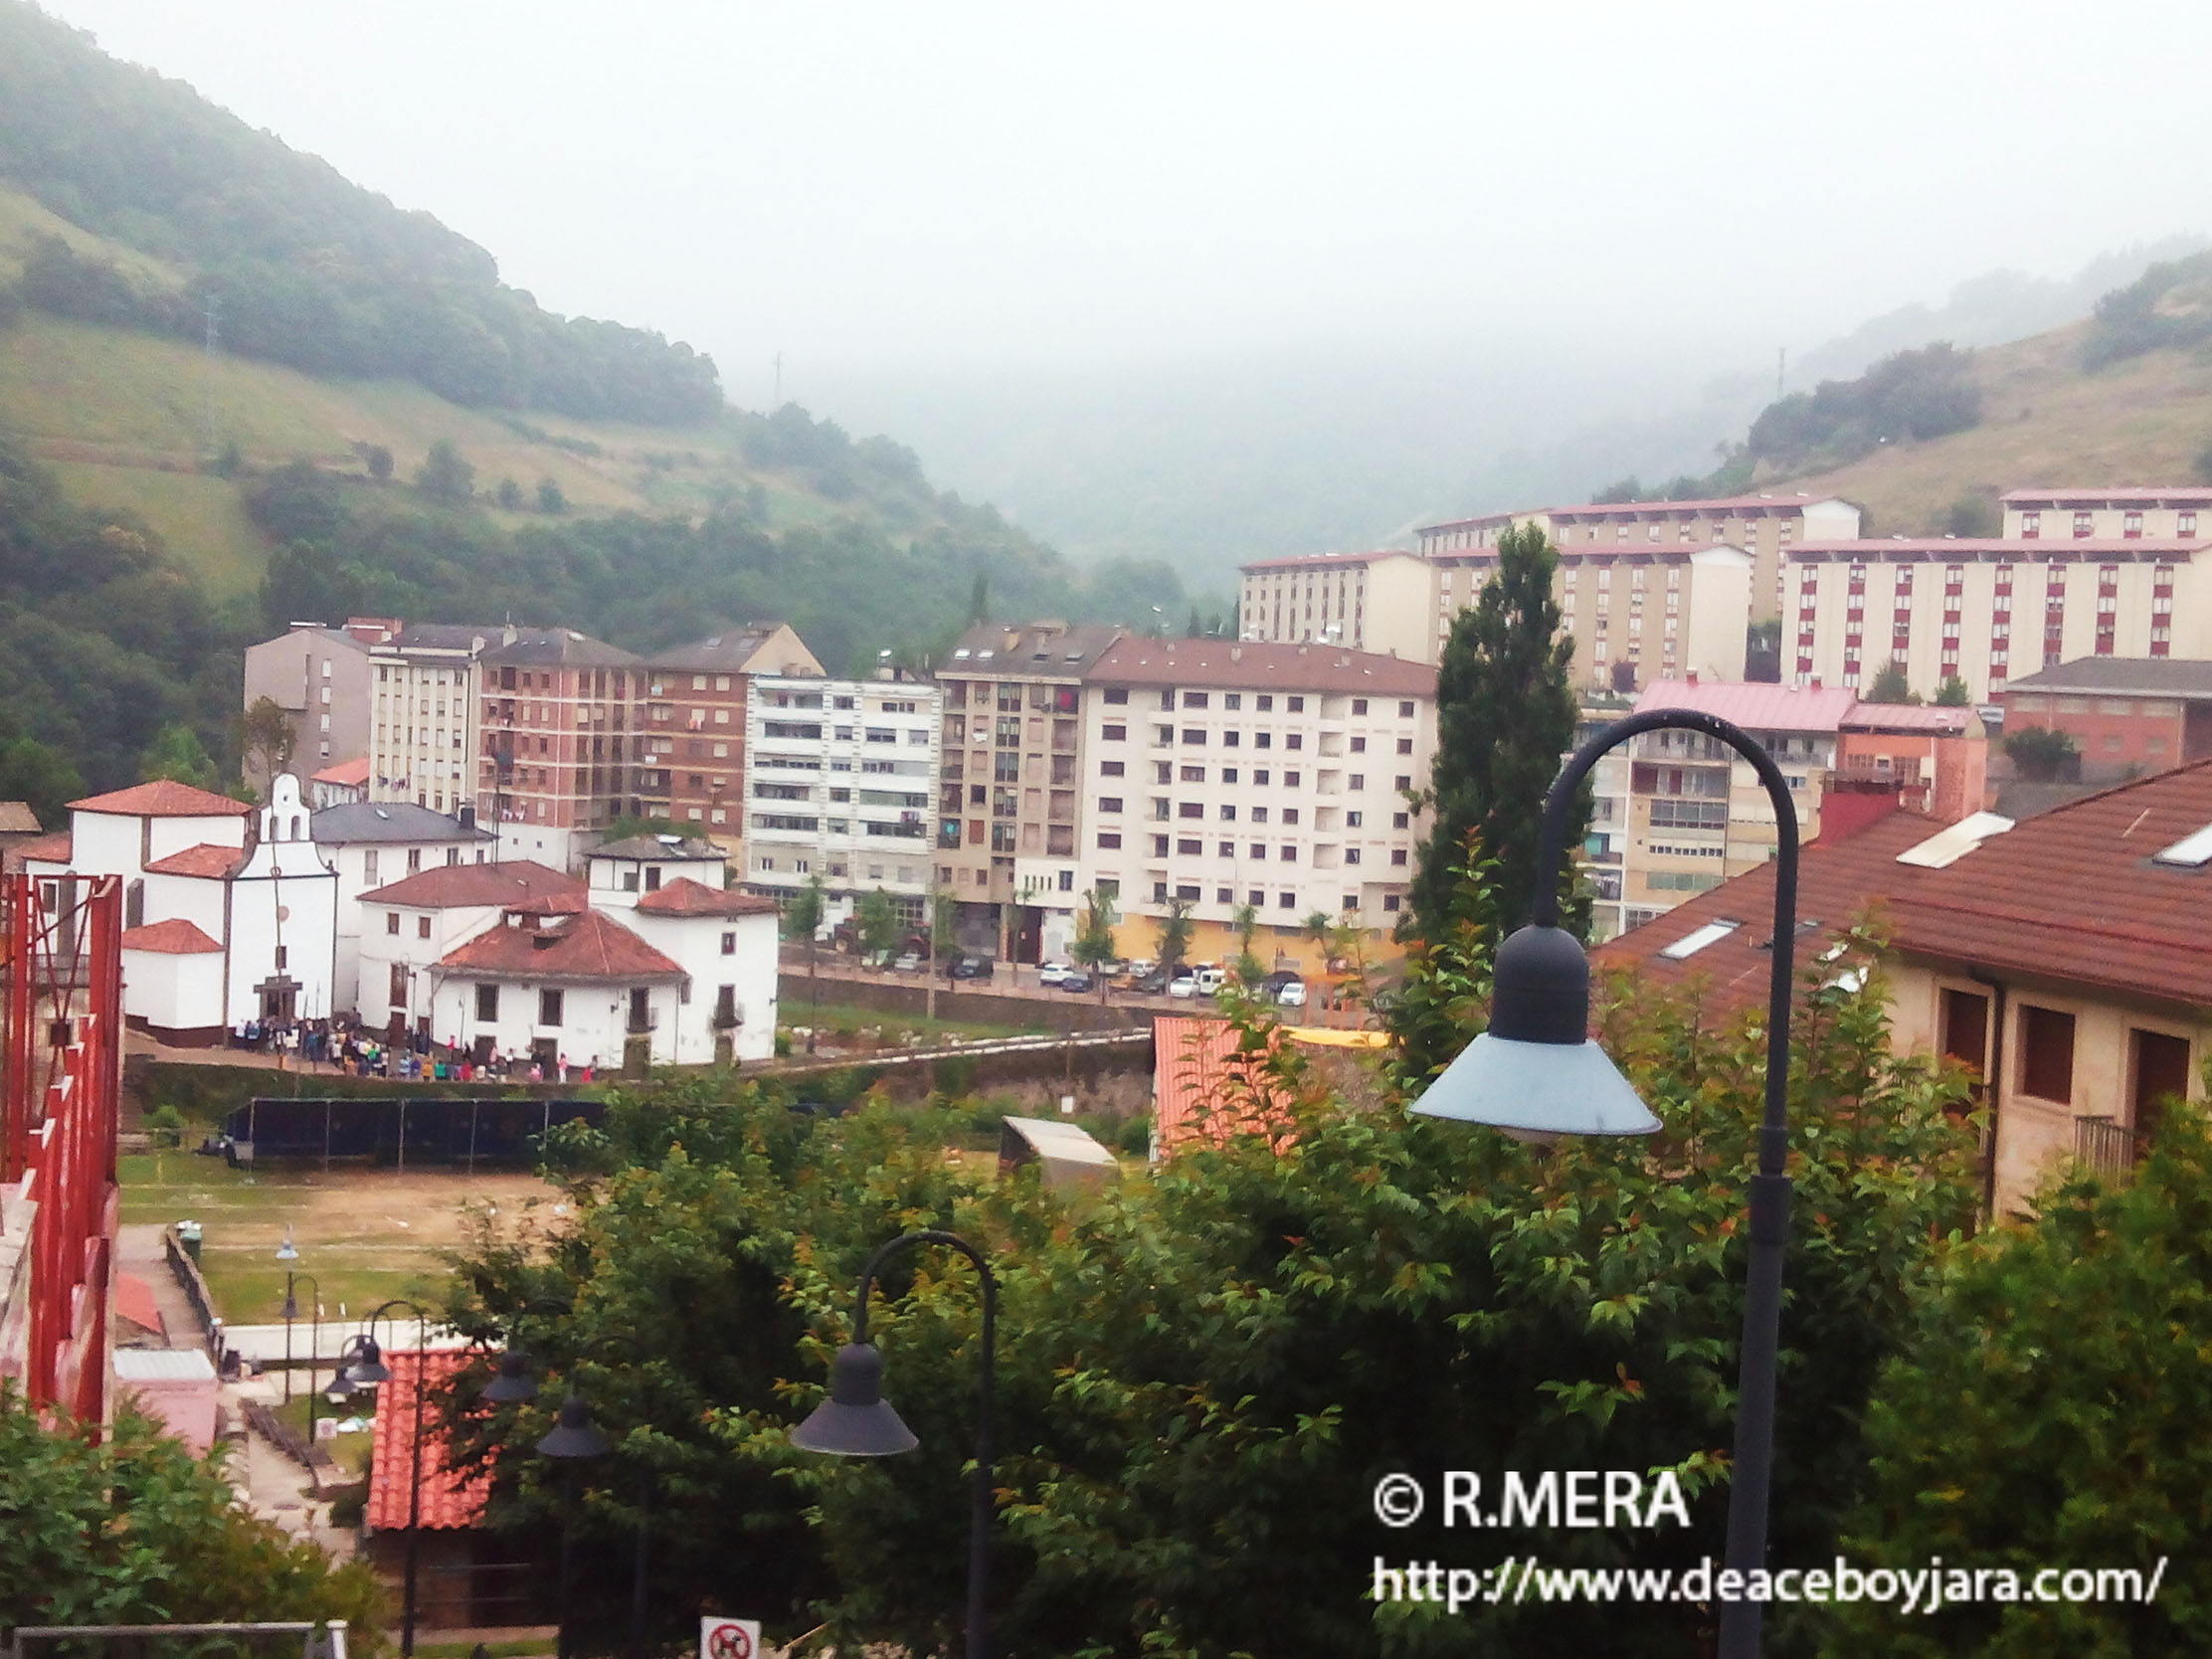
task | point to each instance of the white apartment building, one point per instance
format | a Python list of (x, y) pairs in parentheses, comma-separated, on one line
[(1764, 525), (840, 781), (1226, 773), (1637, 612), (423, 730), (1988, 611), (2112, 513)]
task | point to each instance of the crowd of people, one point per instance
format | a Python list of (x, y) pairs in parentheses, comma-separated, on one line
[(348, 1047)]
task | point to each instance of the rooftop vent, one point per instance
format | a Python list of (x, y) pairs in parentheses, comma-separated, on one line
[(1691, 942)]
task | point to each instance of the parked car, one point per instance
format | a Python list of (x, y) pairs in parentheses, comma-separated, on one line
[(1138, 968), (1149, 983), (1076, 980), (1184, 985), (1274, 983), (909, 963), (971, 968), (1292, 995), (1211, 979), (1051, 972)]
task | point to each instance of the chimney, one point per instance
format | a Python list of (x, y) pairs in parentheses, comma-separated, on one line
[(468, 818), (508, 635), (1690, 676)]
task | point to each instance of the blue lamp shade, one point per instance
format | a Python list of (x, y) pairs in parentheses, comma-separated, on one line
[(1535, 1070), (855, 1420), (288, 1251), (514, 1384), (573, 1434)]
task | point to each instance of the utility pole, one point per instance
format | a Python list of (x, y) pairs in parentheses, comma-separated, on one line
[(214, 317), (1781, 362), (778, 402)]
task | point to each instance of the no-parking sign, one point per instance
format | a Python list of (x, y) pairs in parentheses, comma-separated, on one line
[(729, 1639)]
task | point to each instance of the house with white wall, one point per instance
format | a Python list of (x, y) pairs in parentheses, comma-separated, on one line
[(725, 941), (579, 986), (620, 873), (408, 925), (374, 843)]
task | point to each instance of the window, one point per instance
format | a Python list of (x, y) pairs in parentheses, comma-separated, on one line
[(1259, 849), (396, 985), (1259, 814), (421, 927), (1359, 705), (1109, 803), (1352, 855), (1353, 819), (392, 922), (1265, 702), (2046, 1053), (1233, 699), (1260, 778), (1291, 779), (1109, 841), (1188, 892), (1397, 855), (1193, 774), (1405, 746), (1225, 895), (1296, 705), (549, 1008), (487, 1002), (1263, 740), (1357, 781), (1112, 769), (1289, 855), (1114, 733), (1229, 774), (1194, 735), (1405, 710), (1191, 809), (1232, 739), (1403, 782), (1196, 699), (1117, 695), (368, 867), (1358, 746), (1294, 740), (1160, 893), (1190, 848), (1286, 901)]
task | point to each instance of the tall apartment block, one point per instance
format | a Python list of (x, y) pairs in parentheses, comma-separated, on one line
[(424, 733), (562, 717), (1007, 812), (841, 781), (691, 757), (1637, 612), (319, 678), (1222, 774), (1766, 526)]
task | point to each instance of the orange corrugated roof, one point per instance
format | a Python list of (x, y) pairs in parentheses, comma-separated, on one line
[(174, 937), (449, 1501), (345, 772), (685, 897), (206, 859), (1196, 1089)]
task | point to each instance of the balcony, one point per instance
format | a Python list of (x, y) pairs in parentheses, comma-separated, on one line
[(2104, 1145)]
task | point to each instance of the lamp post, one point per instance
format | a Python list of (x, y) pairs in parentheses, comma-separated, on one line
[(574, 1438), (1536, 1071), (366, 1369), (857, 1421), (314, 1340), (289, 1252)]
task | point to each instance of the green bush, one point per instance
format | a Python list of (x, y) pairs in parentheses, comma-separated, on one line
[(165, 1124)]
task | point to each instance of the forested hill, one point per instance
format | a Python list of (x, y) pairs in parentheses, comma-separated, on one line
[(307, 269)]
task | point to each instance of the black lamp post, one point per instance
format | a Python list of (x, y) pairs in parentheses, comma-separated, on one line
[(366, 1369), (314, 1340), (1536, 1071), (573, 1439), (857, 1421)]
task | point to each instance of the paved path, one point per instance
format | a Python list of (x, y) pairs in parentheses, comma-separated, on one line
[(139, 1253)]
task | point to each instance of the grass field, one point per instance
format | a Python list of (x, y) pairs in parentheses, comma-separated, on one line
[(364, 1234), (201, 518)]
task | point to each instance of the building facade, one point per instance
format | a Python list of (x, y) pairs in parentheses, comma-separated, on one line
[(692, 767), (562, 717), (841, 781), (424, 738), (369, 844), (1011, 769), (1220, 775), (2112, 513), (319, 676), (1932, 760), (2126, 716)]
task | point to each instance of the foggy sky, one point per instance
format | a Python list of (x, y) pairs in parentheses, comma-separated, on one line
[(1019, 186)]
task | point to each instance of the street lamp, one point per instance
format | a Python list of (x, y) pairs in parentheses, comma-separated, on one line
[(574, 1438), (858, 1421), (1536, 1071), (365, 1369), (314, 1340)]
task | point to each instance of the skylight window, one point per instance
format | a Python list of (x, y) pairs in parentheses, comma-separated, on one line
[(1691, 942), (1947, 846), (2191, 852)]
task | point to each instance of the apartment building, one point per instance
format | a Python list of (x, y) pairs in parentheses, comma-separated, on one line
[(1932, 760), (562, 716), (1987, 610), (2112, 514), (692, 758), (424, 737), (1635, 614), (1604, 850), (1764, 525), (1223, 774), (319, 678), (1010, 768), (2126, 716), (840, 781)]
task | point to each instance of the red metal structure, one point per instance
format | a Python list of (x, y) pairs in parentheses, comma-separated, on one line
[(61, 1091)]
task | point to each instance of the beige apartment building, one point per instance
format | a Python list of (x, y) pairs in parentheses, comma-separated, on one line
[(1010, 771), (1222, 774), (424, 728), (319, 678), (1986, 610), (1636, 613), (2112, 513), (1765, 525)]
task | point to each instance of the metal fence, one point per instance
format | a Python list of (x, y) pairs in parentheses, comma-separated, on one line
[(275, 1640), (440, 1130)]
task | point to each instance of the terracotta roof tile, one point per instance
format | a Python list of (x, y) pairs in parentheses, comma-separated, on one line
[(516, 883), (174, 937), (206, 859), (449, 1501), (162, 797), (345, 772), (685, 897), (17, 818), (1192, 1077), (1754, 705), (2186, 496), (589, 946), (47, 849)]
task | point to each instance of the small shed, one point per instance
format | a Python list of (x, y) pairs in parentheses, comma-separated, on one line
[(1071, 1159), (177, 1385)]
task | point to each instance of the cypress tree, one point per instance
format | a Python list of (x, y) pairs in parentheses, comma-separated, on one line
[(1505, 719)]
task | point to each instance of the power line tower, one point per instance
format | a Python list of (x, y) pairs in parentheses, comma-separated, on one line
[(213, 314)]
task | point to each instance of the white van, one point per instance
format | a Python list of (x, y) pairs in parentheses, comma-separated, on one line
[(1211, 979)]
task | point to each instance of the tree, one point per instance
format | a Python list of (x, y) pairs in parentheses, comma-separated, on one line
[(511, 495), (1953, 694), (266, 739), (877, 919), (551, 500), (445, 477), (1174, 935), (1972, 515), (802, 920), (1505, 715), (1245, 920), (2041, 753), (137, 1530), (39, 776), (2052, 1413), (379, 459), (978, 598), (1093, 945), (1890, 686), (177, 753)]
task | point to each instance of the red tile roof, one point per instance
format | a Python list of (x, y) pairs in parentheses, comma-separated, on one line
[(1193, 1077), (2074, 895), (206, 859), (174, 937), (2185, 495), (1619, 509), (685, 897), (354, 772), (1323, 561), (162, 797), (1755, 706), (447, 1501), (47, 849), (1908, 717), (134, 1301), (1837, 879), (2028, 551), (1262, 666), (589, 946), (516, 885)]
